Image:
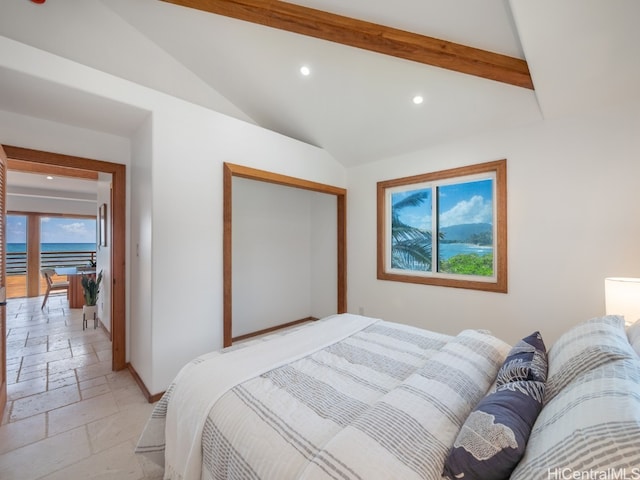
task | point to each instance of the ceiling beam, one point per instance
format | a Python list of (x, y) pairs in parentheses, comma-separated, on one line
[(370, 36), (55, 170)]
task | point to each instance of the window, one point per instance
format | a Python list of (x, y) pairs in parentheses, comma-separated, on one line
[(466, 208), (16, 259)]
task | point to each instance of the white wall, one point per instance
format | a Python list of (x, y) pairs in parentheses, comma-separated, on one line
[(573, 214), (284, 255), (190, 145), (103, 252), (21, 203), (140, 289), (573, 219), (271, 255), (40, 134), (324, 255), (175, 160)]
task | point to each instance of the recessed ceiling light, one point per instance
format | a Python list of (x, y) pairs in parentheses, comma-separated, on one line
[(418, 99), (305, 71), (49, 177)]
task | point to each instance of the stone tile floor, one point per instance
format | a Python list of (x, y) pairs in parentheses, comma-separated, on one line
[(68, 415)]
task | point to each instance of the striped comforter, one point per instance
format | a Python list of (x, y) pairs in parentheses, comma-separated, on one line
[(381, 401)]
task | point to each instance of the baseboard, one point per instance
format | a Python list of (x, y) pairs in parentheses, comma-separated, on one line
[(3, 399), (145, 391), (105, 329), (273, 329)]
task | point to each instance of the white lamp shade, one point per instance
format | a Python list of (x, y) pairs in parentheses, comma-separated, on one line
[(622, 297)]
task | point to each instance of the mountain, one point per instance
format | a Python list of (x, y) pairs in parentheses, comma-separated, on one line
[(469, 233)]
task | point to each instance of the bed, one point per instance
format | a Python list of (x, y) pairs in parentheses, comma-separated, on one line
[(352, 397)]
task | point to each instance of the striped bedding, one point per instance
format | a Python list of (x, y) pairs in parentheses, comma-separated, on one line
[(384, 401), (378, 400), (589, 427)]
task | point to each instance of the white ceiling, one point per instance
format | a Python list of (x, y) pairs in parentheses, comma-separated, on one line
[(37, 185), (38, 97), (583, 55)]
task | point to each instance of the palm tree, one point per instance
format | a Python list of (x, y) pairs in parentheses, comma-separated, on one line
[(410, 246)]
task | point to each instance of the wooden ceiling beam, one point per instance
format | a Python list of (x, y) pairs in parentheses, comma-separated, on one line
[(55, 170), (370, 36)]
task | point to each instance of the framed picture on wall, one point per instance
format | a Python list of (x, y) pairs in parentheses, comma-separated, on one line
[(102, 225)]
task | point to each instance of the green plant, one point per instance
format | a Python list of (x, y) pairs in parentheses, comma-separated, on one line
[(411, 246), (469, 264), (91, 287)]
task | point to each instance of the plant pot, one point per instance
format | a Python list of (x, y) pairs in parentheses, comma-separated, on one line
[(89, 311)]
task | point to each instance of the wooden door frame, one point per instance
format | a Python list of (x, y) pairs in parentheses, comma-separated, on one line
[(231, 170), (118, 233), (3, 308)]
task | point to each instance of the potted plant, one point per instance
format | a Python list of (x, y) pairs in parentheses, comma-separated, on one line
[(91, 288)]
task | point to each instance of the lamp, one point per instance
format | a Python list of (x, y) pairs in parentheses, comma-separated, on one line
[(622, 297)]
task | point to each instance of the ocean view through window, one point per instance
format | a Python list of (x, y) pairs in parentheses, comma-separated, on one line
[(60, 241), (60, 234), (466, 220), (445, 228)]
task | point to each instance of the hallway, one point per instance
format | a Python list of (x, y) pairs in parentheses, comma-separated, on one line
[(68, 415)]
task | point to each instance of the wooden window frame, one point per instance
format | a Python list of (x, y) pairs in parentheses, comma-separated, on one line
[(498, 282)]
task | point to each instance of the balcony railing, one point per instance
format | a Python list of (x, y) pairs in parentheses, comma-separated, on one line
[(17, 261), (16, 268)]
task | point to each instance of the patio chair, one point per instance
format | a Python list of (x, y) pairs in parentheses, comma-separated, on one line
[(48, 274)]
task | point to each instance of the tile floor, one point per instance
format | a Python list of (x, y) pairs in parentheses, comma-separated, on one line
[(68, 415)]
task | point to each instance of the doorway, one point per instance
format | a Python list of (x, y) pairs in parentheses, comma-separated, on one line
[(238, 171), (41, 160)]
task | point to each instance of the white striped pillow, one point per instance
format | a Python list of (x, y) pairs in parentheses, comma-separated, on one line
[(584, 347), (590, 427), (633, 333)]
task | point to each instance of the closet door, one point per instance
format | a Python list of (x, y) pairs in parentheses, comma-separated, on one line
[(3, 294)]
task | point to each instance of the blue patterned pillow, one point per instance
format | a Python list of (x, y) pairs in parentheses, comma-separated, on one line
[(494, 437), (527, 360)]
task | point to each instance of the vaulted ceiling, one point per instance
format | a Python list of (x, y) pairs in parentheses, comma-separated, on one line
[(356, 103)]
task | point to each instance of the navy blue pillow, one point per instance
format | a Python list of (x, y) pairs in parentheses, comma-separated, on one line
[(527, 360), (493, 438)]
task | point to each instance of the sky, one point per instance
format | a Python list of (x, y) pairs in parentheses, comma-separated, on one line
[(460, 203), (53, 230)]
